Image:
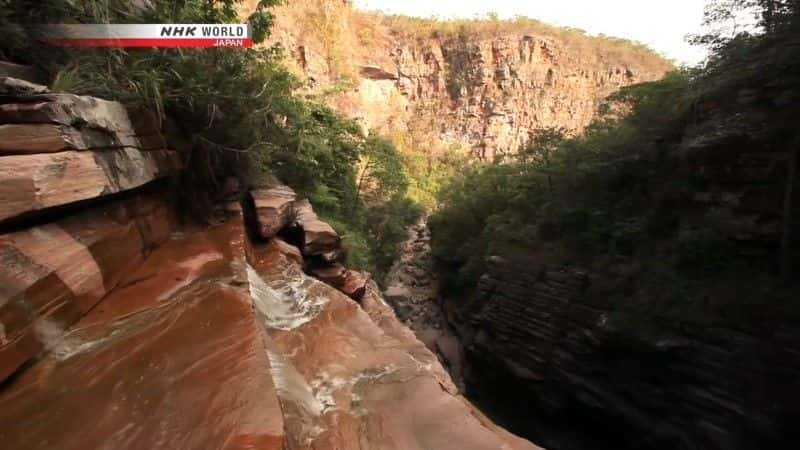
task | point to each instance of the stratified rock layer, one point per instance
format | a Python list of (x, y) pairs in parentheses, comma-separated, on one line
[(484, 86), (540, 347), (43, 158), (119, 330), (319, 238), (274, 209), (173, 358), (53, 274)]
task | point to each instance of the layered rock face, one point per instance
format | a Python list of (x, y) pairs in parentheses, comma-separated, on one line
[(485, 90), (121, 329), (540, 345), (57, 270)]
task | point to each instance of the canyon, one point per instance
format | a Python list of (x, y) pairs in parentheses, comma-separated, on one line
[(484, 88), (123, 327)]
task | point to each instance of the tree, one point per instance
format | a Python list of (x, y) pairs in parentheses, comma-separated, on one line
[(540, 150)]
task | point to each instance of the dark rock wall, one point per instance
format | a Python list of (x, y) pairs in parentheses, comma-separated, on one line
[(556, 367)]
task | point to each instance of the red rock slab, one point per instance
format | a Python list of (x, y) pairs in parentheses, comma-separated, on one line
[(319, 237), (355, 284), (52, 274), (273, 209), (136, 128), (347, 381), (52, 138), (31, 183), (181, 261), (289, 250), (189, 370), (350, 282)]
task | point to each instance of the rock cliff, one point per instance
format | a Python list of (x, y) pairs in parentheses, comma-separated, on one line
[(122, 328), (485, 86), (542, 345)]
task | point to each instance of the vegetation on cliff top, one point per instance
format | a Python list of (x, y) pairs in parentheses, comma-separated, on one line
[(574, 41), (625, 198), (231, 113)]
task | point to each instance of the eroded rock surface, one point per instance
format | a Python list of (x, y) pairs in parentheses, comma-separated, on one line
[(59, 149), (485, 91), (350, 377), (172, 358), (54, 273)]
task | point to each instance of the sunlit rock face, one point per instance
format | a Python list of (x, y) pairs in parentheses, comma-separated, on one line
[(485, 88), (60, 256)]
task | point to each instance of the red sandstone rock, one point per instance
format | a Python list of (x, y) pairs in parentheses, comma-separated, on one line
[(97, 120), (273, 209), (51, 138), (30, 183), (320, 239), (333, 274), (288, 250), (350, 282), (173, 358), (355, 284), (350, 378), (51, 275)]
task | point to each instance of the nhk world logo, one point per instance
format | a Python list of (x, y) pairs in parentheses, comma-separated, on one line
[(149, 35)]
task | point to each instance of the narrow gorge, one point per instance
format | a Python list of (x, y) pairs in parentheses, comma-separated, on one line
[(371, 231), (187, 336)]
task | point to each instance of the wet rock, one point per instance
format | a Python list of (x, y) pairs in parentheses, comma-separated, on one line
[(350, 377), (319, 238), (53, 274), (31, 183), (273, 209), (173, 358), (350, 282)]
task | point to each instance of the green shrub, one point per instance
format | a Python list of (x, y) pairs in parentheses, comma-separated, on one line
[(230, 113)]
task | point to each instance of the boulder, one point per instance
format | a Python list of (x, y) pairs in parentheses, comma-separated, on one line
[(31, 183), (273, 209), (333, 274), (319, 238), (355, 284), (350, 282), (288, 250)]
